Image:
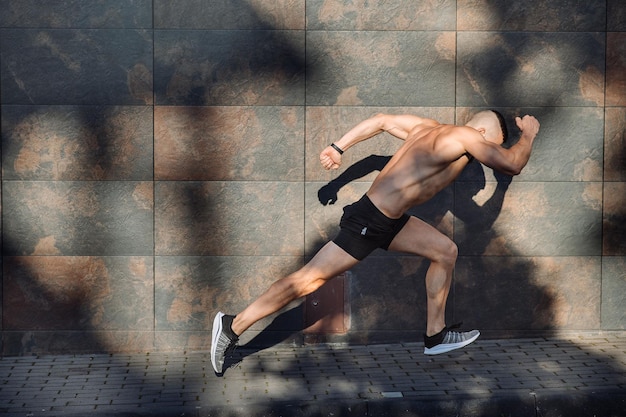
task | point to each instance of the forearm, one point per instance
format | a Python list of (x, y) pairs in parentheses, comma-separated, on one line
[(362, 131), (529, 127), (523, 149)]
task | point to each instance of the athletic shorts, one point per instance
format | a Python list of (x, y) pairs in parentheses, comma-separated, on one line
[(364, 228)]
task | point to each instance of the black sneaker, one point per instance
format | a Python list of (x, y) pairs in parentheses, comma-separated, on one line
[(447, 340), (223, 340)]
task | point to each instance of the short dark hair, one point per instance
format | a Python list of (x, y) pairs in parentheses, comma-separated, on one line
[(505, 131)]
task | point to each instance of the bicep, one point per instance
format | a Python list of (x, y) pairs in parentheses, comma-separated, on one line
[(492, 155), (400, 125)]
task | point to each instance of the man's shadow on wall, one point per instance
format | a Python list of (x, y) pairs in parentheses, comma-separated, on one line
[(290, 322), (433, 210)]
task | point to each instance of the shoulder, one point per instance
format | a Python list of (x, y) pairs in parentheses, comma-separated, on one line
[(463, 135), (466, 133), (459, 134), (457, 140)]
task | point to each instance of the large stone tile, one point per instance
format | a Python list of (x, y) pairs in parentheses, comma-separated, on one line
[(613, 293), (229, 14), (398, 15), (521, 294), (530, 69), (113, 14), (615, 144), (76, 143), (614, 222), (191, 290), (78, 218), (569, 146), (532, 15), (327, 124), (97, 66), (381, 68), (229, 143), (388, 294), (237, 67), (534, 219), (78, 293), (616, 69), (229, 218)]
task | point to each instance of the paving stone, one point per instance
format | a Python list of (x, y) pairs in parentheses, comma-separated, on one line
[(314, 373)]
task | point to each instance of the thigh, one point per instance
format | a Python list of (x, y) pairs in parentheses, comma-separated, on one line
[(420, 238), (329, 262)]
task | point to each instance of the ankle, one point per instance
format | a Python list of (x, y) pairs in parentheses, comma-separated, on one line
[(227, 322), (434, 330), (235, 327)]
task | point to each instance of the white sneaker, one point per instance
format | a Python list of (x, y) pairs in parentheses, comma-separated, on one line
[(447, 340), (221, 343)]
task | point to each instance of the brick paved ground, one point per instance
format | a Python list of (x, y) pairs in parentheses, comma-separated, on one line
[(583, 374)]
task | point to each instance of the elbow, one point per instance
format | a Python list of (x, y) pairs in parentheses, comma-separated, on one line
[(514, 172), (516, 169), (380, 120), (510, 170), (385, 123)]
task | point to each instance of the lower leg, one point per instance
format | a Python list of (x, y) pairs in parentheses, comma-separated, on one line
[(330, 261), (438, 282), (278, 295)]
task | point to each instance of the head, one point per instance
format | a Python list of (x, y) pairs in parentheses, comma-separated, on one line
[(491, 125)]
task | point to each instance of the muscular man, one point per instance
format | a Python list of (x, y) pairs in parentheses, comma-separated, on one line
[(430, 158)]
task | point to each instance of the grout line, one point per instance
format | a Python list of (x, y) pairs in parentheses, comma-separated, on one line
[(154, 318)]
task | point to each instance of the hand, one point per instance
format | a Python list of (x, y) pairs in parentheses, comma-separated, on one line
[(330, 158), (528, 125)]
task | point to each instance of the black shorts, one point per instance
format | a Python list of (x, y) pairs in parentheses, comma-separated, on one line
[(364, 228)]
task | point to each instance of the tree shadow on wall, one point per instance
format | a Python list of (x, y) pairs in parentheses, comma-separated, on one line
[(68, 314), (230, 67), (196, 85), (77, 235)]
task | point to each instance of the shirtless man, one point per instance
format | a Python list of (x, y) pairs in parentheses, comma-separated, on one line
[(431, 157)]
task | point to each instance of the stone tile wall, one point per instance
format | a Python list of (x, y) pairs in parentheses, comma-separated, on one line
[(159, 163)]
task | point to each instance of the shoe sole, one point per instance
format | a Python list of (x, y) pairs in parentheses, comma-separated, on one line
[(217, 329), (439, 349)]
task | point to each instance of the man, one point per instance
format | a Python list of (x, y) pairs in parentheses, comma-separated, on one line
[(432, 156)]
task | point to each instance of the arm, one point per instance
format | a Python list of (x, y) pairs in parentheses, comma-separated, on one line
[(507, 161), (399, 126)]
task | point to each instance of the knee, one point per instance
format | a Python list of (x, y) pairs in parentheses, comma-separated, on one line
[(447, 254)]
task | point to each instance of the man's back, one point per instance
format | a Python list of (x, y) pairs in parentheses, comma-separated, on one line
[(429, 160)]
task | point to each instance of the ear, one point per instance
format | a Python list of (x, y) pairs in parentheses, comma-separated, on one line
[(482, 131)]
